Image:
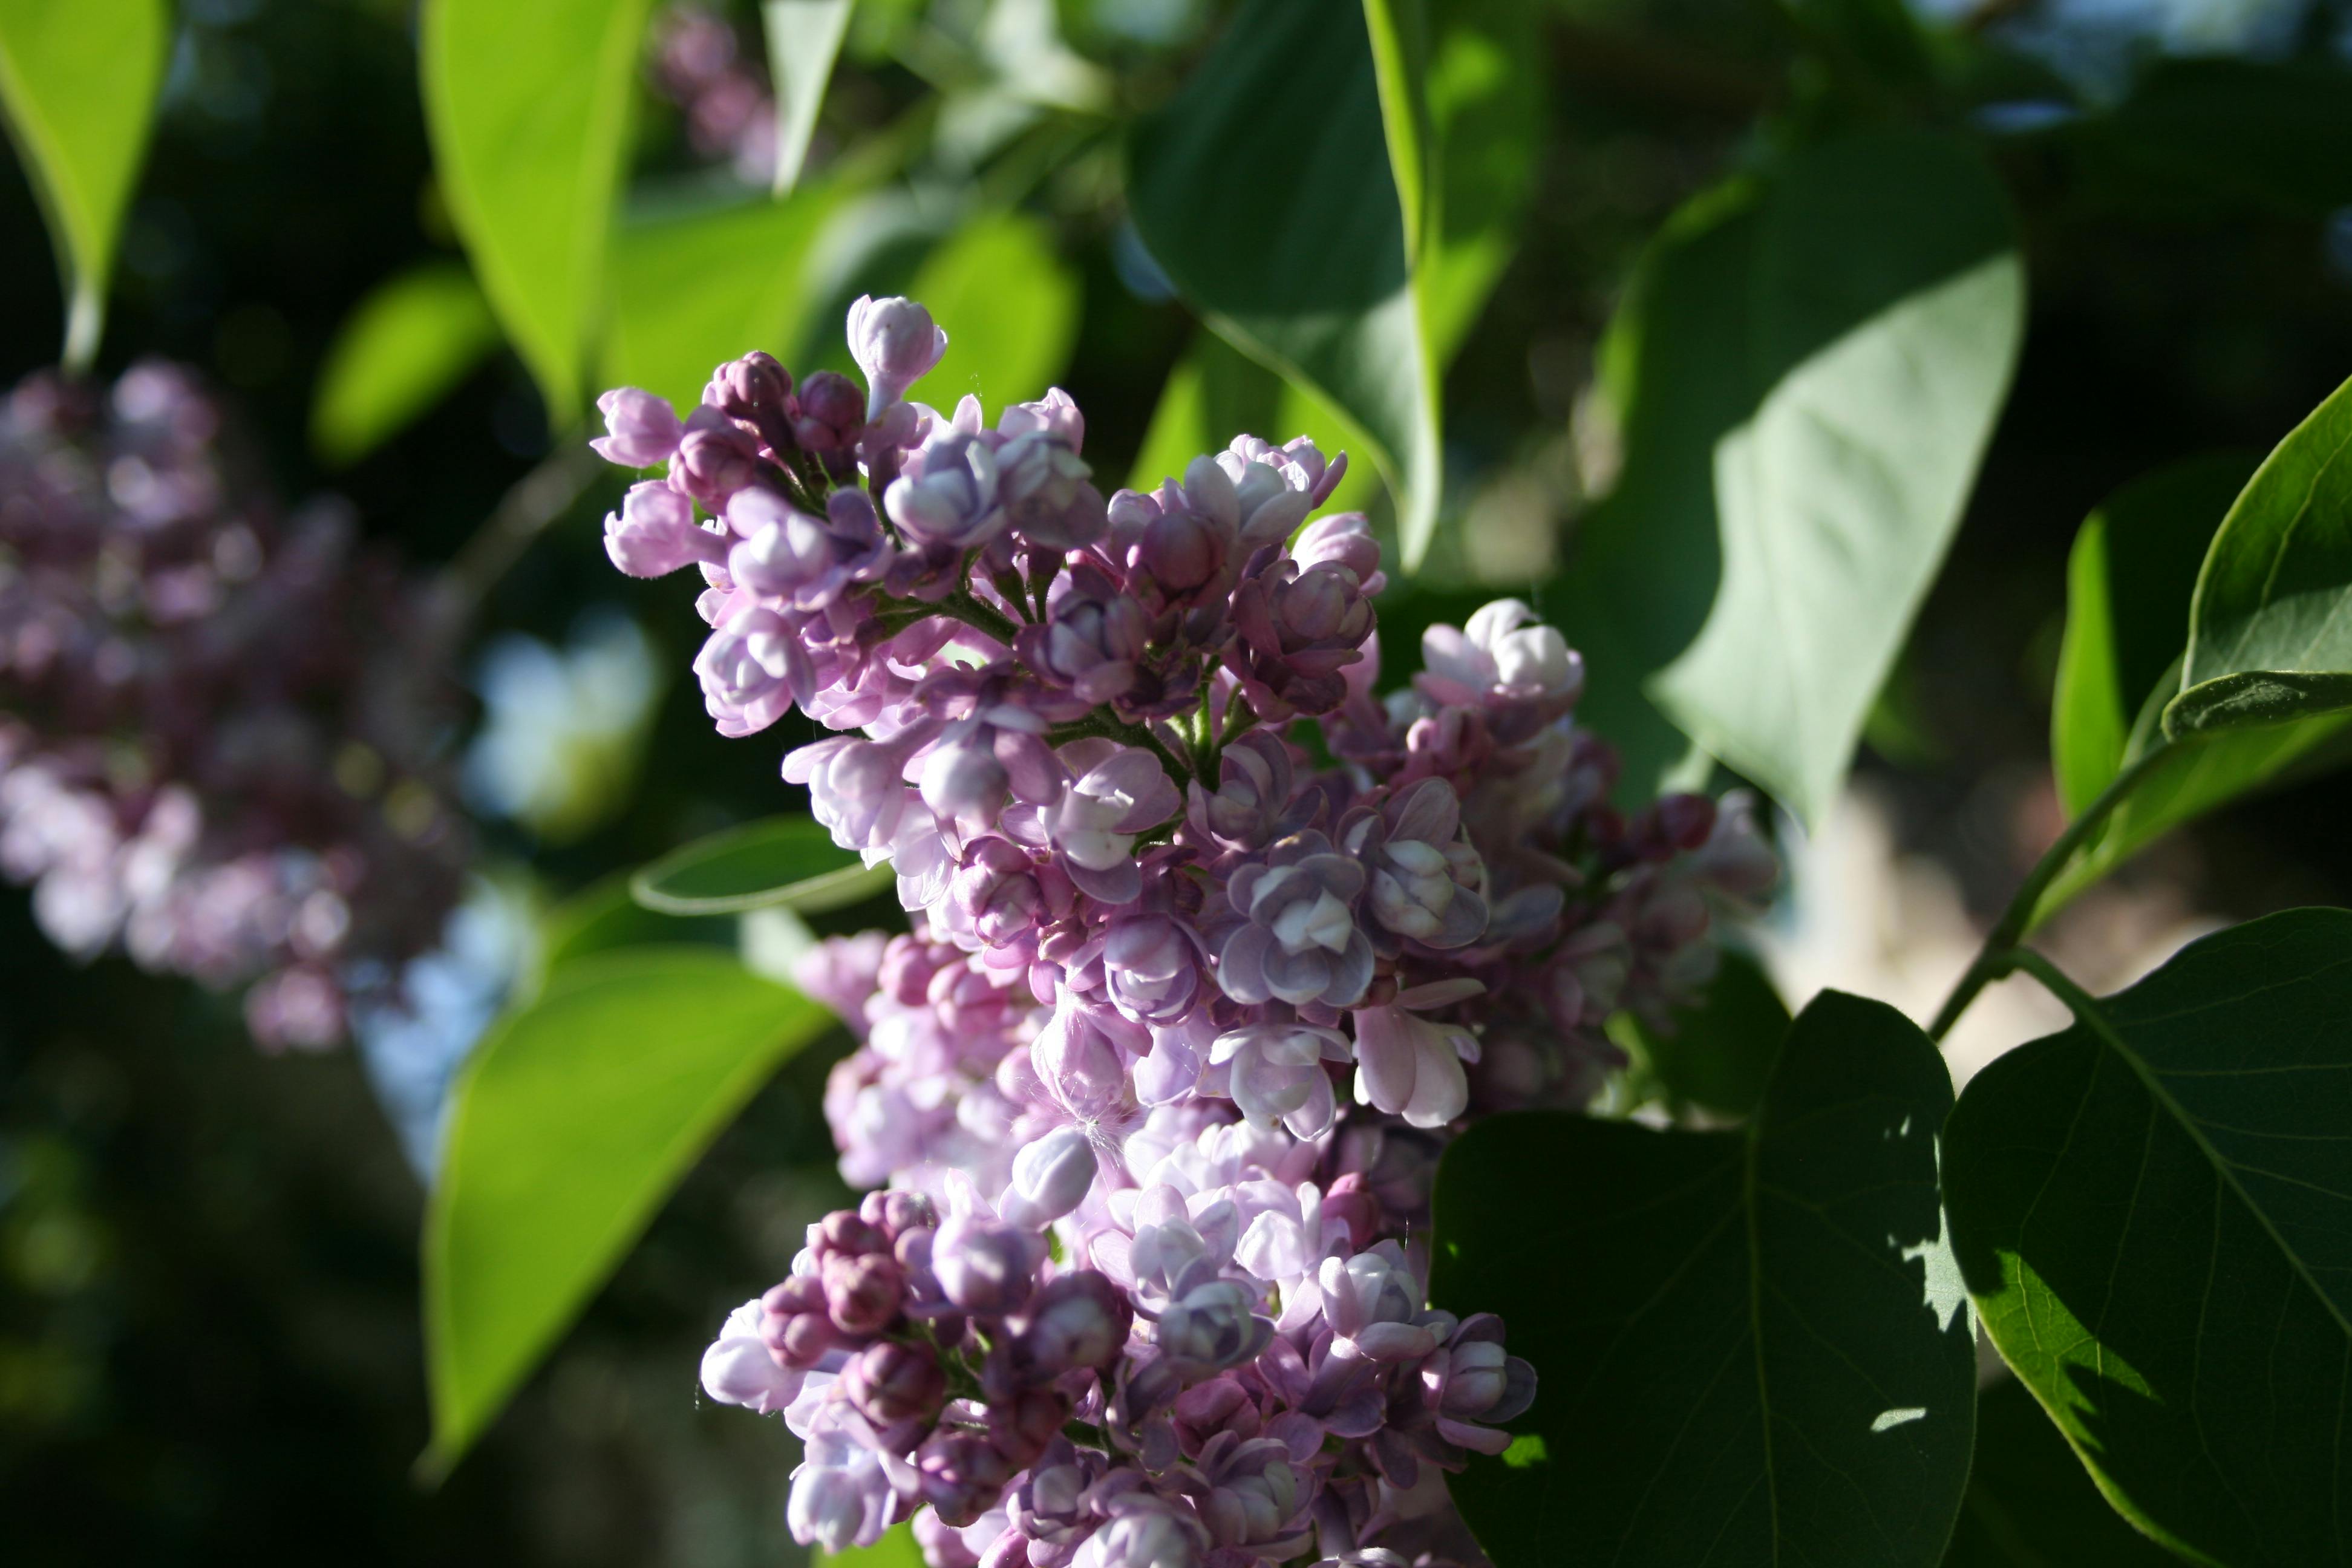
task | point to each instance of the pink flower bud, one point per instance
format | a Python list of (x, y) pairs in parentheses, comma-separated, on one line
[(640, 428), (896, 344), (655, 533)]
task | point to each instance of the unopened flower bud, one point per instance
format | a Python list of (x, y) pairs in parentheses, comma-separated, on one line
[(896, 344), (890, 1382), (655, 533), (1079, 1319), (1050, 1177), (983, 1265), (640, 428)]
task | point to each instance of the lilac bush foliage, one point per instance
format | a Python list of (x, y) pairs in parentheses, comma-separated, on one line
[(1212, 949), (222, 734)]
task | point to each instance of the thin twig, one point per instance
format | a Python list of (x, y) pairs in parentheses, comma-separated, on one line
[(532, 503), (2001, 941)]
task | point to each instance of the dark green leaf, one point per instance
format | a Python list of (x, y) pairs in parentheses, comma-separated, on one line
[(695, 288), (2031, 1504), (1010, 304), (2154, 1213), (2128, 585), (1807, 370), (786, 860), (1321, 292), (605, 915), (570, 1125), (527, 103), (401, 351), (1719, 1054), (803, 40), (78, 83), (1751, 1345)]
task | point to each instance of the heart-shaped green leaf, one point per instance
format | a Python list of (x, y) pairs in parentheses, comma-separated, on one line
[(1807, 370), (571, 1122), (1751, 1345), (2031, 1504), (401, 350), (790, 861), (527, 103), (78, 83), (2154, 1213)]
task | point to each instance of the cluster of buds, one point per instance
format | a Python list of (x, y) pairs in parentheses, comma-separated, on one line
[(1212, 948), (220, 744)]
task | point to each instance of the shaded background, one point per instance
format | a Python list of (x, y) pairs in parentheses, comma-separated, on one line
[(208, 1339)]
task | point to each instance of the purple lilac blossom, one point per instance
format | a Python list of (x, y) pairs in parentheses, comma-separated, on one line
[(1212, 949), (225, 734)]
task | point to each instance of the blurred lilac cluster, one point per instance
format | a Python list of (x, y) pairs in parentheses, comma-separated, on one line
[(1212, 949), (219, 734), (725, 104)]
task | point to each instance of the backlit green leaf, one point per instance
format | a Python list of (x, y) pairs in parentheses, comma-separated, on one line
[(2264, 688), (1752, 1346), (787, 860), (78, 82), (2154, 1213), (2128, 585), (1807, 371), (1010, 304), (897, 1549), (527, 103), (1216, 393), (803, 40), (401, 351), (570, 1123), (693, 288)]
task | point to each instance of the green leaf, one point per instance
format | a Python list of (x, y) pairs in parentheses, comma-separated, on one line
[(1719, 1054), (573, 1122), (787, 860), (695, 288), (605, 915), (897, 1549), (1277, 136), (2154, 1213), (2264, 688), (1010, 304), (400, 352), (1751, 1345), (78, 82), (803, 40), (2129, 584), (1807, 371), (527, 103), (1215, 393), (2030, 1504), (2276, 594), (1484, 83)]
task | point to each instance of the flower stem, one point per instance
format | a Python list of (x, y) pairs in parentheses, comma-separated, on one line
[(1997, 956)]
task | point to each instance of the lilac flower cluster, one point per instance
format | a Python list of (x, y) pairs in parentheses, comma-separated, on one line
[(1211, 951), (219, 734)]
